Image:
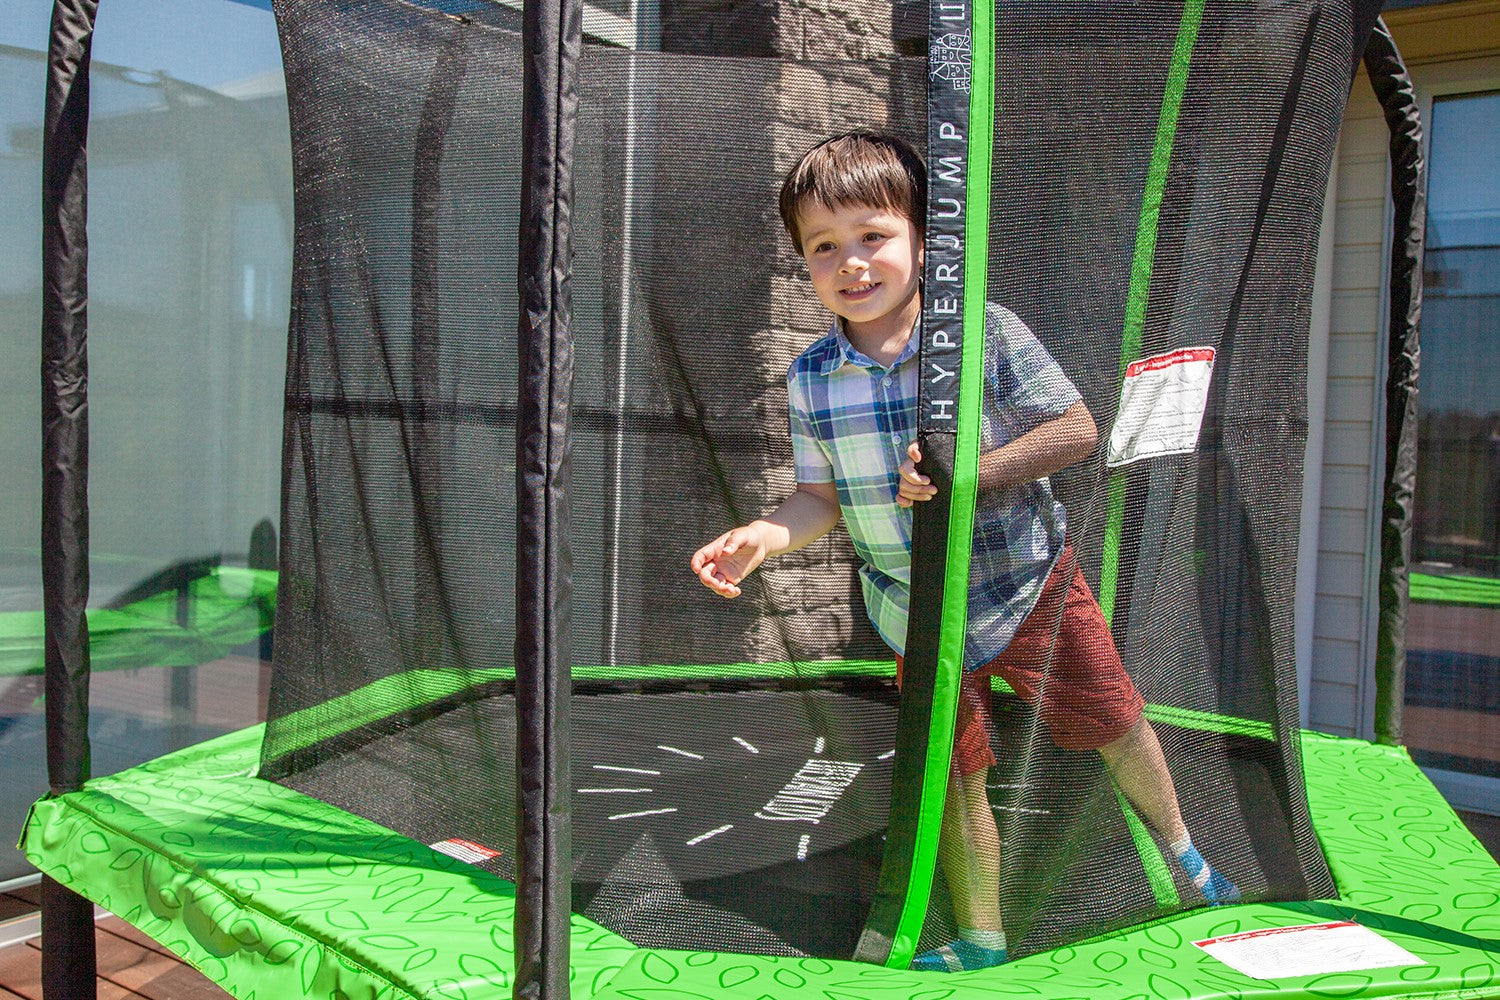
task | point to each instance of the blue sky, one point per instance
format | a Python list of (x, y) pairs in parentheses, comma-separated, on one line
[(185, 38)]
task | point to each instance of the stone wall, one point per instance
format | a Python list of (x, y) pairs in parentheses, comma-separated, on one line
[(725, 305)]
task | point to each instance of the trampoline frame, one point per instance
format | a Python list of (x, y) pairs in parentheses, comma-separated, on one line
[(552, 40)]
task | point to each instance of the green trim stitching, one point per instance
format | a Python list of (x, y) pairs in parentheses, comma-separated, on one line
[(412, 689), (1210, 722), (1140, 272)]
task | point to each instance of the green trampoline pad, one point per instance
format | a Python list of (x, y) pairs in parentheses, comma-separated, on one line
[(273, 894), (1478, 591), (228, 607)]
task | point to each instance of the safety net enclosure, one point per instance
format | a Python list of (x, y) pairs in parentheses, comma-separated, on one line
[(512, 744)]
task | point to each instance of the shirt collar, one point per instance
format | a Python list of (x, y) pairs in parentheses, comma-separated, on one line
[(846, 353)]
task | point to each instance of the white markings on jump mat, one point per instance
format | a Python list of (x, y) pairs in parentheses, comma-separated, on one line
[(712, 833), (680, 753), (746, 744), (814, 790), (644, 812)]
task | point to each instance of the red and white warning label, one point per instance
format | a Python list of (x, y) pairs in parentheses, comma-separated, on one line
[(1307, 950), (465, 850), (1161, 405)]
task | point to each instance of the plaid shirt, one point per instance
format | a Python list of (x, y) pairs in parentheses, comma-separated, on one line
[(851, 422)]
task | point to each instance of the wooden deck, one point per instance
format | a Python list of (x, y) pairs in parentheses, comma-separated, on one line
[(131, 965)]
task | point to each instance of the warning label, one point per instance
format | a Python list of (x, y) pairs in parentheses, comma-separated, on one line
[(1161, 405), (465, 850), (1307, 950)]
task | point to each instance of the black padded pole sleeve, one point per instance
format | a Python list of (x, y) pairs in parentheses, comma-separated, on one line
[(65, 445), (552, 37), (1393, 86), (68, 961)]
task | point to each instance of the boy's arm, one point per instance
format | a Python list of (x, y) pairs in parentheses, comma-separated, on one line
[(804, 517), (1041, 451)]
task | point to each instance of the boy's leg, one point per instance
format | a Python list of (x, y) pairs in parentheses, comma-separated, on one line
[(969, 849), (1064, 657), (1140, 769), (1097, 698), (969, 843)]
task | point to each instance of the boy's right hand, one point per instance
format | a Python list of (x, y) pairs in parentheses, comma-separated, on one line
[(913, 487), (724, 562)]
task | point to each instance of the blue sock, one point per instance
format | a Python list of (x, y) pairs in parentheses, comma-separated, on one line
[(1217, 889), (958, 956)]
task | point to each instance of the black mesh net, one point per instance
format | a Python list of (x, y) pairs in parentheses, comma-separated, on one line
[(1119, 741), (394, 646), (732, 760)]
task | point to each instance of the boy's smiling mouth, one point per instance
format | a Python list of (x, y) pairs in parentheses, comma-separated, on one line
[(859, 290)]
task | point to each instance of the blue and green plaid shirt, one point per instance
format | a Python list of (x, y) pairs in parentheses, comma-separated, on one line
[(851, 422)]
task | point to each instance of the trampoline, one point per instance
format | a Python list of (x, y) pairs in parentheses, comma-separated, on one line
[(511, 749), (271, 892)]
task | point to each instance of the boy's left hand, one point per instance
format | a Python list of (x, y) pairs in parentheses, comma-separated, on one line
[(914, 486)]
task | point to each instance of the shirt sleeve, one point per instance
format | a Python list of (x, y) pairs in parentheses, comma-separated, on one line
[(809, 456), (1025, 387)]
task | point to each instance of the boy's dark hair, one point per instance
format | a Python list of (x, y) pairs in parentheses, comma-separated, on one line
[(862, 167)]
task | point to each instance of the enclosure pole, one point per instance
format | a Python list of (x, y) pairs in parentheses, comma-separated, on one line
[(551, 38), (1398, 99), (68, 959)]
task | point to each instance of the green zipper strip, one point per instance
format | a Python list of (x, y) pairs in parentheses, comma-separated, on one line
[(964, 492), (1140, 273), (1141, 267)]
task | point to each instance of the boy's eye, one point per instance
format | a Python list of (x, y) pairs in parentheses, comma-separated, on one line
[(873, 237), (823, 247)]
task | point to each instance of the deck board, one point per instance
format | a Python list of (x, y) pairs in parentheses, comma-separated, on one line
[(131, 967), (149, 973)]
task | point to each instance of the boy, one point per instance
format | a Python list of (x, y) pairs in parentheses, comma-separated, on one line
[(853, 206)]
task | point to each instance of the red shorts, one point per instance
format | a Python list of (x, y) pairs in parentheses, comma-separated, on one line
[(1063, 660)]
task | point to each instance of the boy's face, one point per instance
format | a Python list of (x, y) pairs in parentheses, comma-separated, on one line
[(866, 266)]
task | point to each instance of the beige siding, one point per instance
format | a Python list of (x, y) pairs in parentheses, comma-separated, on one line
[(1446, 33), (1450, 48), (1340, 622)]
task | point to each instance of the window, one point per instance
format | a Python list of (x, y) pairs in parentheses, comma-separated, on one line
[(1452, 715)]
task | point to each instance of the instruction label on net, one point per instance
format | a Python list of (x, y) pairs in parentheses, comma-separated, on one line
[(1308, 950), (1161, 405)]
